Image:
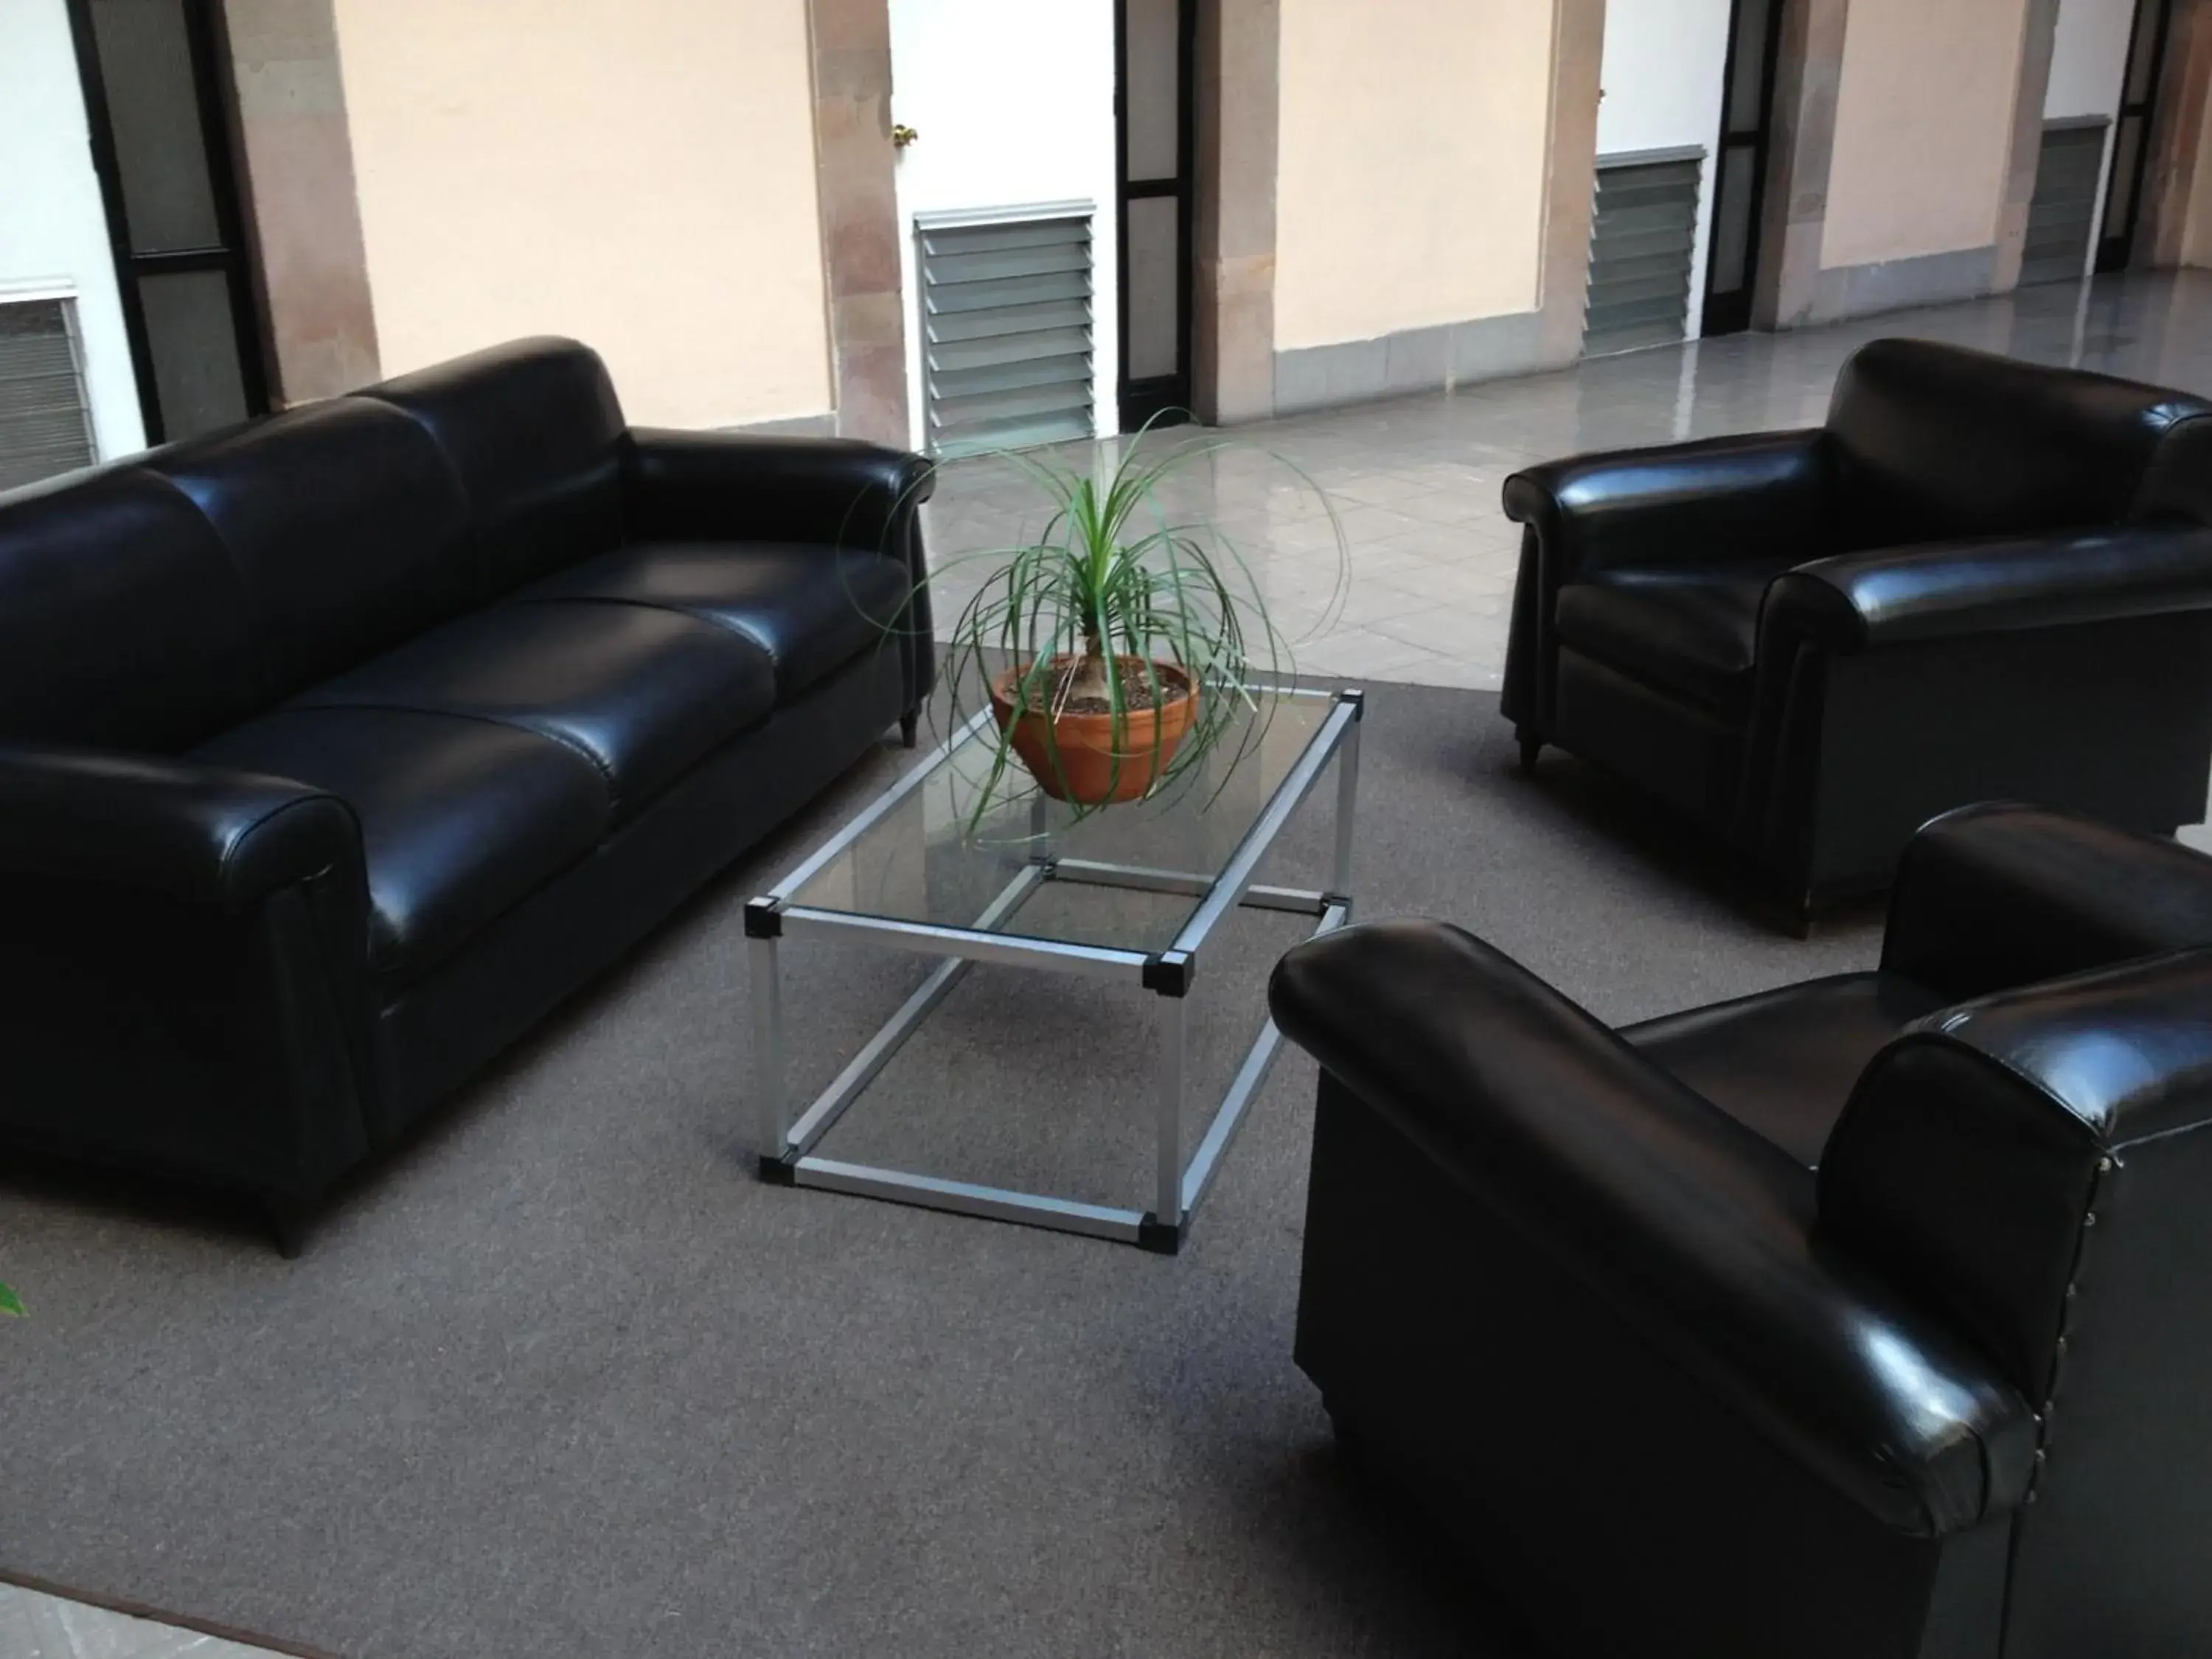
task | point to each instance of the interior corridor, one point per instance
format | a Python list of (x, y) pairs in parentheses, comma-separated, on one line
[(1415, 482)]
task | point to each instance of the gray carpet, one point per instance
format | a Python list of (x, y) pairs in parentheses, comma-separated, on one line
[(562, 1379)]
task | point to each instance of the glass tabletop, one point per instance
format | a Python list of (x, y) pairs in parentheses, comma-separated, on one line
[(1127, 877)]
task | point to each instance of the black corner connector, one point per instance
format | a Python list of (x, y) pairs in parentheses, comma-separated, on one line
[(1358, 698), (1156, 1237), (763, 918), (1170, 973), (778, 1171)]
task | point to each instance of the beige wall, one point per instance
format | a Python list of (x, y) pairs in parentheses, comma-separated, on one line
[(1413, 142), (1923, 127), (640, 176)]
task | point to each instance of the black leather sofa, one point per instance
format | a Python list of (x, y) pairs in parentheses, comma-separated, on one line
[(1869, 1318), (1981, 580), (336, 748)]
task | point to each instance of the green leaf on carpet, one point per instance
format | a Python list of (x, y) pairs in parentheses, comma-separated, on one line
[(10, 1303)]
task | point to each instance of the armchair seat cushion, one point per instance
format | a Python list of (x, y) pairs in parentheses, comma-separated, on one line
[(640, 694), (810, 608), (1692, 631), (1782, 1062), (460, 818)]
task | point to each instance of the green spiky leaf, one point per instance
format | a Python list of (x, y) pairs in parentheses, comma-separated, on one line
[(10, 1303), (1117, 570)]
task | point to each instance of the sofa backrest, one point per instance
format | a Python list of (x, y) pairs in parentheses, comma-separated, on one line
[(535, 435), (123, 622), (150, 604), (1938, 443), (2037, 1166), (345, 523)]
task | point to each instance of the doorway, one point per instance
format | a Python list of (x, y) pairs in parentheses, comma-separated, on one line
[(1010, 241), (2131, 134), (157, 102), (1740, 174)]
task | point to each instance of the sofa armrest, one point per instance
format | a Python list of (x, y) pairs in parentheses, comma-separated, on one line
[(1861, 601), (1694, 1230), (1704, 502), (1993, 896), (703, 486), (201, 834)]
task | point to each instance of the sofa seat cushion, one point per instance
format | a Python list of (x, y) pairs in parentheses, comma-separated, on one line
[(1692, 631), (460, 818), (1784, 1062), (811, 608), (642, 694)]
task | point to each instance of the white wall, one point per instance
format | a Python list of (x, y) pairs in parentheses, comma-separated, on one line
[(1014, 101), (2088, 58), (53, 229), (1663, 76)]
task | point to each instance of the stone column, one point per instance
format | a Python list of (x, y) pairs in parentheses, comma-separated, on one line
[(2041, 25), (1570, 176), (1233, 295), (303, 213), (857, 189), (2176, 138), (1807, 72)]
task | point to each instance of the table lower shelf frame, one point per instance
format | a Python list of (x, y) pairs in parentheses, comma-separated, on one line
[(786, 1156)]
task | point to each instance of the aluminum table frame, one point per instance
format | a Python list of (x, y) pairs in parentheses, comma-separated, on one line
[(787, 1147)]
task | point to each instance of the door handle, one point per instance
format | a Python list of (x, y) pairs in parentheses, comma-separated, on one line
[(902, 135)]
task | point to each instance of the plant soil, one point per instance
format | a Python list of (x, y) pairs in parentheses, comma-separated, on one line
[(1138, 689)]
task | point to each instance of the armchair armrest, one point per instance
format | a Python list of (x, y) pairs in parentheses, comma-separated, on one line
[(201, 834), (712, 485), (1708, 502), (1857, 601), (1994, 896), (1694, 1230)]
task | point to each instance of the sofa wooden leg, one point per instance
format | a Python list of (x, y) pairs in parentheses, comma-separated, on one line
[(288, 1227), (909, 728), (1531, 747)]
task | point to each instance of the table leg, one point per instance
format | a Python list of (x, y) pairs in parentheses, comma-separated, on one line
[(768, 1073), (1347, 798), (1167, 1206)]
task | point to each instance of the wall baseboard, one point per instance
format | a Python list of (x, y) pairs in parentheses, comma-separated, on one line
[(1930, 279), (1411, 360)]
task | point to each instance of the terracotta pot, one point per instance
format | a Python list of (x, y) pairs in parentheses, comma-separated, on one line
[(1086, 743)]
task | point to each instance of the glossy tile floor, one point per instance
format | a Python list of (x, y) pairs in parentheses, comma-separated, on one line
[(38, 1626), (1415, 484)]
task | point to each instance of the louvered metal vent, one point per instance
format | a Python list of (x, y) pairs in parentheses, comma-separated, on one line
[(45, 424), (1643, 246), (2063, 210), (1006, 340)]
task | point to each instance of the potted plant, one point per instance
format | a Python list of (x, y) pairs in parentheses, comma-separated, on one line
[(1118, 645)]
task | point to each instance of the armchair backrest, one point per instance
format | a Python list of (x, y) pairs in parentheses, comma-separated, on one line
[(1936, 442), (2037, 1166)]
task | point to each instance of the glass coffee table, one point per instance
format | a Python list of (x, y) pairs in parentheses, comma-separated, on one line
[(908, 873)]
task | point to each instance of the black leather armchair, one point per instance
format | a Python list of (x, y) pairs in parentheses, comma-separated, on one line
[(1981, 580), (1865, 1318), (336, 748)]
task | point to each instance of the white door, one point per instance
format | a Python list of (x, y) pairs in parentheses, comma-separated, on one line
[(1012, 103)]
